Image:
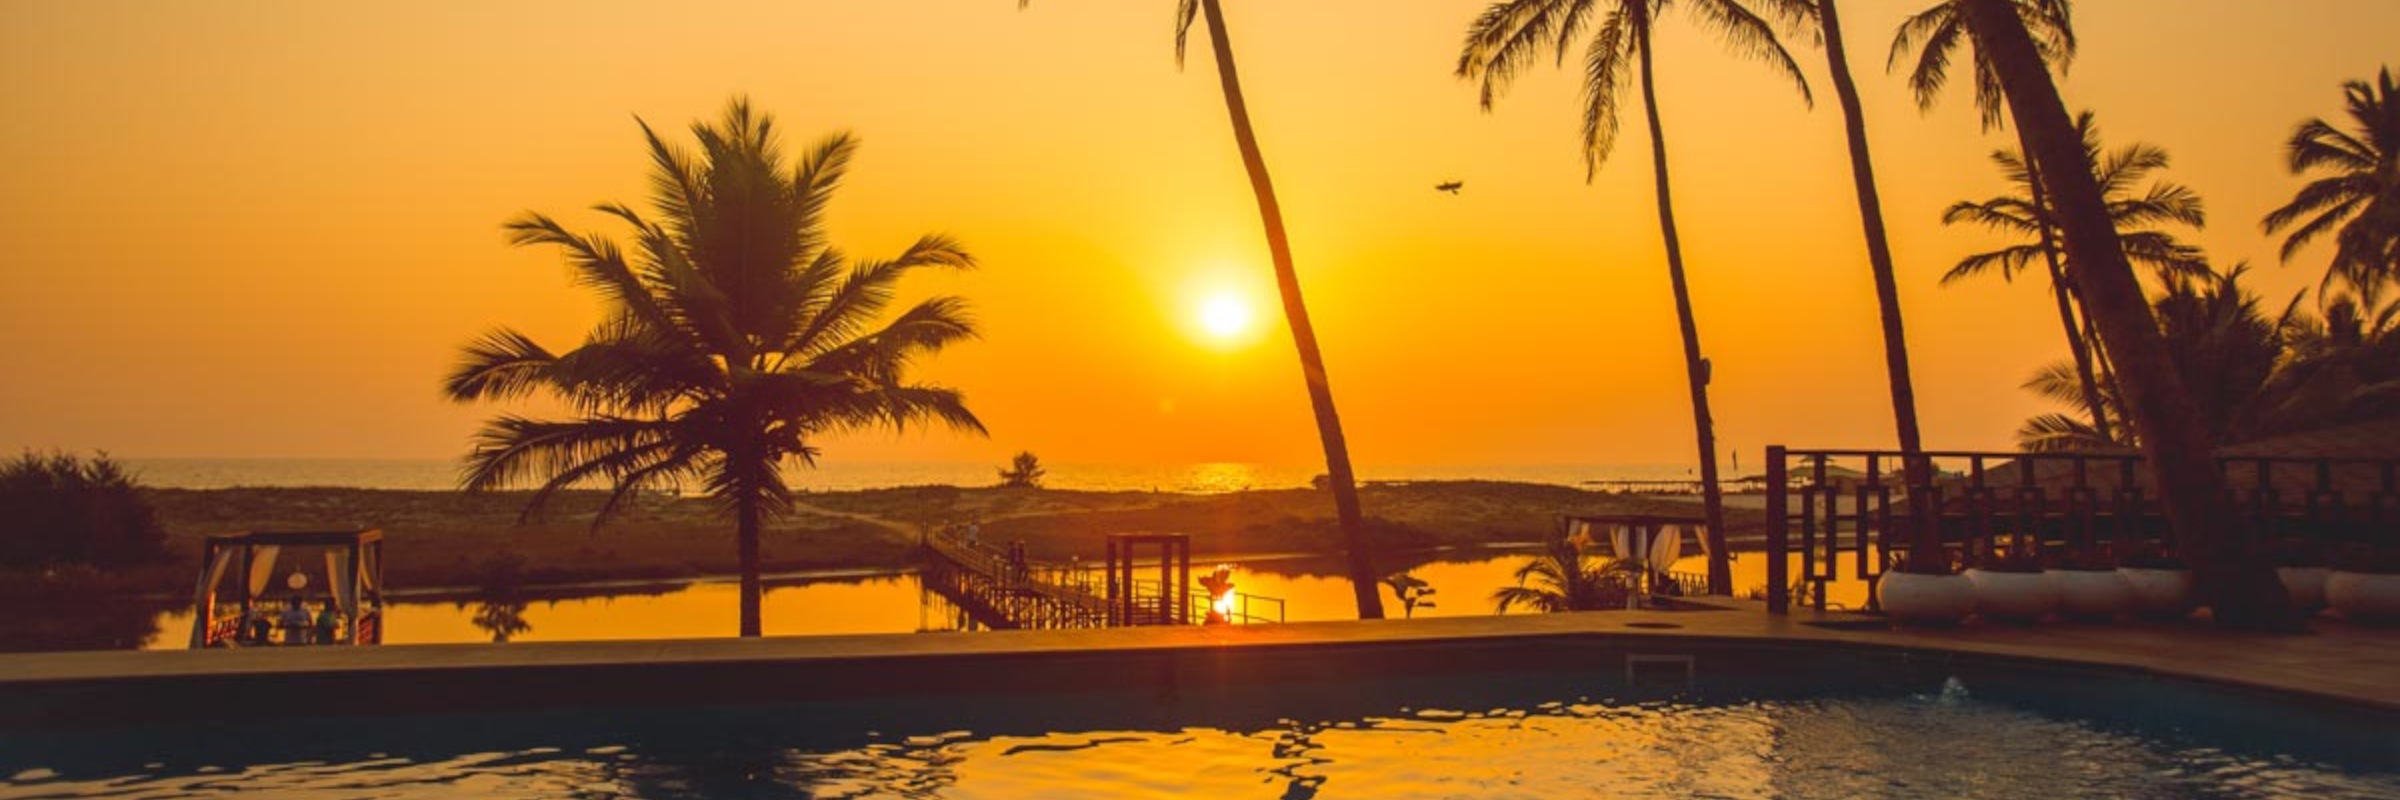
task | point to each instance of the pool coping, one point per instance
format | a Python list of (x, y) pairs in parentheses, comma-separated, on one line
[(2340, 663)]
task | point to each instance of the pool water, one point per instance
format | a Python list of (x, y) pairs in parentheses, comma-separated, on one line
[(1588, 724)]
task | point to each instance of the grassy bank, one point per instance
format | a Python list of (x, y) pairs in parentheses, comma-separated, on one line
[(453, 539)]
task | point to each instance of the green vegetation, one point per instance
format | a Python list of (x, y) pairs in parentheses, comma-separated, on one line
[(735, 337), (61, 510), (1563, 578), (2253, 375)]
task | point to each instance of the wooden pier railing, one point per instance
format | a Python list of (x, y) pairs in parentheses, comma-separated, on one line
[(1832, 508)]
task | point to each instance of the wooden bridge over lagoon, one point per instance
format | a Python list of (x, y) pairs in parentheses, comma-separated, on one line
[(1006, 590)]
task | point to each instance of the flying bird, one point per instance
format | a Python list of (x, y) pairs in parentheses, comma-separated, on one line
[(1449, 186)]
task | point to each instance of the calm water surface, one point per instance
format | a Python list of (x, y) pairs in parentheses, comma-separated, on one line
[(897, 603)]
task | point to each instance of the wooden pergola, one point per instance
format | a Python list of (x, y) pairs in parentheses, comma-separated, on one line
[(353, 575), (1645, 529)]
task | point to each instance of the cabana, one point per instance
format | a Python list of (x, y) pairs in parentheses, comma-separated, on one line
[(1652, 542), (239, 601)]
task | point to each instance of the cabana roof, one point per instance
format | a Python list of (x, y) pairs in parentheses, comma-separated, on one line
[(327, 538)]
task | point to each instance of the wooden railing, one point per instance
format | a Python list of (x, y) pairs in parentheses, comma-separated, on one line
[(1831, 507), (1005, 592)]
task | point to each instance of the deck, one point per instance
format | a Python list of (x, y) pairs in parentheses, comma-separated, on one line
[(2339, 666)]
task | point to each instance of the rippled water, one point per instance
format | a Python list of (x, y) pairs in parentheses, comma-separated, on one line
[(1943, 741)]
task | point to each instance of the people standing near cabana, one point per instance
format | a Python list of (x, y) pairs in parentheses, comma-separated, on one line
[(328, 622), (295, 620)]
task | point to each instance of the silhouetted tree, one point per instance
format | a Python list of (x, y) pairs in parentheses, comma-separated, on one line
[(1295, 309), (2241, 591), (1562, 578), (2120, 173), (734, 336), (1879, 249), (2360, 199), (1511, 34), (1023, 472), (2224, 346)]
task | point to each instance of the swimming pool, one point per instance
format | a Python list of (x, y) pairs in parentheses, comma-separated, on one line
[(1558, 717)]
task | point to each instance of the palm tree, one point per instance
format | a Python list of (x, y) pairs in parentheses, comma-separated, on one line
[(1879, 249), (735, 335), (1363, 576), (2120, 174), (2224, 345), (1562, 578), (2335, 370), (2242, 592), (1510, 34), (1935, 33), (2362, 195)]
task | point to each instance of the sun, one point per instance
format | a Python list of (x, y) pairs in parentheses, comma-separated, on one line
[(1226, 316)]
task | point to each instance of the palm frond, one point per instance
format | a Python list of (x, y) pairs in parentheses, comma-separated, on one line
[(1751, 36), (501, 365)]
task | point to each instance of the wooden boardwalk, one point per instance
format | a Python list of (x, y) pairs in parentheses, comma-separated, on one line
[(1011, 594)]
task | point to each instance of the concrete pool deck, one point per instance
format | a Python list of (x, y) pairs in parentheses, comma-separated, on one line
[(2340, 662)]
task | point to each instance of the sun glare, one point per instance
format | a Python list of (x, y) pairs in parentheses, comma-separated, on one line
[(1225, 316)]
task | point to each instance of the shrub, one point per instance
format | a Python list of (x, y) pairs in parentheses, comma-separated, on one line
[(1023, 472), (60, 509)]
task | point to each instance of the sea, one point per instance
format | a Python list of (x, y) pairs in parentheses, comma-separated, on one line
[(1205, 478)]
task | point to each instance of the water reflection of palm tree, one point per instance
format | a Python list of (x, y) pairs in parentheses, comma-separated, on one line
[(1413, 592), (503, 617), (736, 335), (1512, 34)]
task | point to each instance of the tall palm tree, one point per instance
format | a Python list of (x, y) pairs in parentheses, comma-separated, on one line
[(2021, 213), (1511, 34), (1879, 248), (735, 335), (1937, 31), (1363, 577), (1343, 481), (2242, 592), (2362, 195)]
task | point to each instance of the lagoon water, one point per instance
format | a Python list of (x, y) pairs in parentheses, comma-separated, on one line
[(836, 475), (1310, 589)]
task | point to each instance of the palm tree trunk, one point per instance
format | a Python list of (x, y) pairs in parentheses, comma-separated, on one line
[(1720, 563), (1363, 580), (2107, 374), (2060, 289), (2240, 591), (1879, 251), (746, 524)]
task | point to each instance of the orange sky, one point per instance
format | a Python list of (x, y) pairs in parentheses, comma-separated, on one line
[(263, 229)]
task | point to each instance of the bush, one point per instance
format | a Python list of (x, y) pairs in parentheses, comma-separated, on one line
[(1023, 472), (60, 509)]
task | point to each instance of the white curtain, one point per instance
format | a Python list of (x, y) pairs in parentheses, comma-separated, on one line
[(337, 580), (262, 567), (1617, 542), (1666, 548)]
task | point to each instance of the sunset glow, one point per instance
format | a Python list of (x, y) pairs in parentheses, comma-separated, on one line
[(1226, 317), (329, 186)]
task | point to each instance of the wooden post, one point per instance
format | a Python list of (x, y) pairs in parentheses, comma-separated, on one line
[(1779, 599)]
